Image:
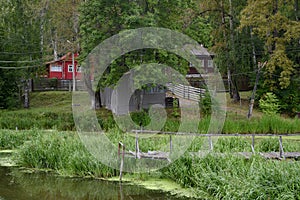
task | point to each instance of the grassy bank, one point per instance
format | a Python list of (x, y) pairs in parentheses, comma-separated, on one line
[(231, 177), (53, 110), (226, 177), (46, 140)]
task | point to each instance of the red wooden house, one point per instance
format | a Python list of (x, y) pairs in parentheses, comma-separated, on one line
[(62, 68)]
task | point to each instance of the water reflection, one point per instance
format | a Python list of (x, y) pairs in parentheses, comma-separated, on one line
[(16, 185)]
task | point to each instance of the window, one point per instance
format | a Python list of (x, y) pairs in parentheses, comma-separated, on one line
[(78, 69), (200, 62), (70, 68), (210, 64), (56, 69)]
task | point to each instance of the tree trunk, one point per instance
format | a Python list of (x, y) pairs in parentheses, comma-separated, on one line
[(235, 91), (54, 44), (98, 99), (250, 111), (229, 83), (42, 24), (260, 66), (26, 94), (253, 94), (296, 7)]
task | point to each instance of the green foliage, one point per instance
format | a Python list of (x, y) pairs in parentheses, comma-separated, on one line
[(205, 104), (140, 118), (269, 104), (228, 176), (275, 19), (62, 152), (19, 47), (208, 104), (233, 177), (14, 139), (176, 108)]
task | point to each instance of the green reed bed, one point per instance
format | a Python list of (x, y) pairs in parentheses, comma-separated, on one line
[(232, 177), (266, 124), (225, 176), (13, 139), (40, 119), (62, 152)]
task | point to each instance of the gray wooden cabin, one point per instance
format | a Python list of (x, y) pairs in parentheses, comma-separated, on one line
[(123, 99)]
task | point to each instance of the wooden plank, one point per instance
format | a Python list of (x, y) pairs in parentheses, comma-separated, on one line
[(213, 135)]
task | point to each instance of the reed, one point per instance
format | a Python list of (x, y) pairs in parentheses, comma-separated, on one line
[(13, 139), (232, 177), (225, 176), (62, 152)]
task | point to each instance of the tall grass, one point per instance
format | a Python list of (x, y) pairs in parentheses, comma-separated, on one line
[(223, 177), (63, 121), (62, 152), (14, 139), (266, 124), (25, 120), (232, 177)]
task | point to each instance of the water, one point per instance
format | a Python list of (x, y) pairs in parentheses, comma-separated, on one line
[(17, 185)]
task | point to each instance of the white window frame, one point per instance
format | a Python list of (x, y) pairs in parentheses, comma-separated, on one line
[(70, 68), (78, 68), (55, 68)]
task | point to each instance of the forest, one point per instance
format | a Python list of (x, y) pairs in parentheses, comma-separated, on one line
[(257, 40)]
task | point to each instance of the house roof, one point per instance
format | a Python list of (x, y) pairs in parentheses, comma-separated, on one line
[(66, 57), (198, 50)]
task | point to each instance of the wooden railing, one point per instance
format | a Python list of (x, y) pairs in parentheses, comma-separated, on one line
[(186, 92), (210, 136)]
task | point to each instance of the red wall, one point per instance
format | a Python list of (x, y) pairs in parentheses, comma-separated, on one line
[(65, 74)]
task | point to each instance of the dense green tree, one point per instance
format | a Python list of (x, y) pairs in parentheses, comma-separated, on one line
[(117, 16), (233, 48), (276, 23), (20, 51), (270, 21)]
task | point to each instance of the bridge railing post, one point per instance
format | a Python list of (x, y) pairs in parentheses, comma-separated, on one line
[(281, 152), (121, 146), (253, 143)]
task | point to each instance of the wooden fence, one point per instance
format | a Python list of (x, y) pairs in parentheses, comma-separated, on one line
[(45, 84), (186, 92)]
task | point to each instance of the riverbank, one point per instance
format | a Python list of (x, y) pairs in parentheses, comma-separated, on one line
[(17, 184), (149, 182), (212, 176)]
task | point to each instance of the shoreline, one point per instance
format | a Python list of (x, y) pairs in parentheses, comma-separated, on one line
[(150, 183)]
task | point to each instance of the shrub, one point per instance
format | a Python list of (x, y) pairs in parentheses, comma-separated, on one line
[(269, 104)]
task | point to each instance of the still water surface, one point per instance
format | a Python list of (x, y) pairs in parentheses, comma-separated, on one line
[(16, 185)]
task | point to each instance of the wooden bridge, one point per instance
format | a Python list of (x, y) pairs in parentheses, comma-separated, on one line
[(165, 155), (280, 155)]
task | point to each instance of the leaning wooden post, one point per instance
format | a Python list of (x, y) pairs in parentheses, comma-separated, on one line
[(211, 147), (253, 143), (281, 152), (137, 150), (171, 145), (121, 145)]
